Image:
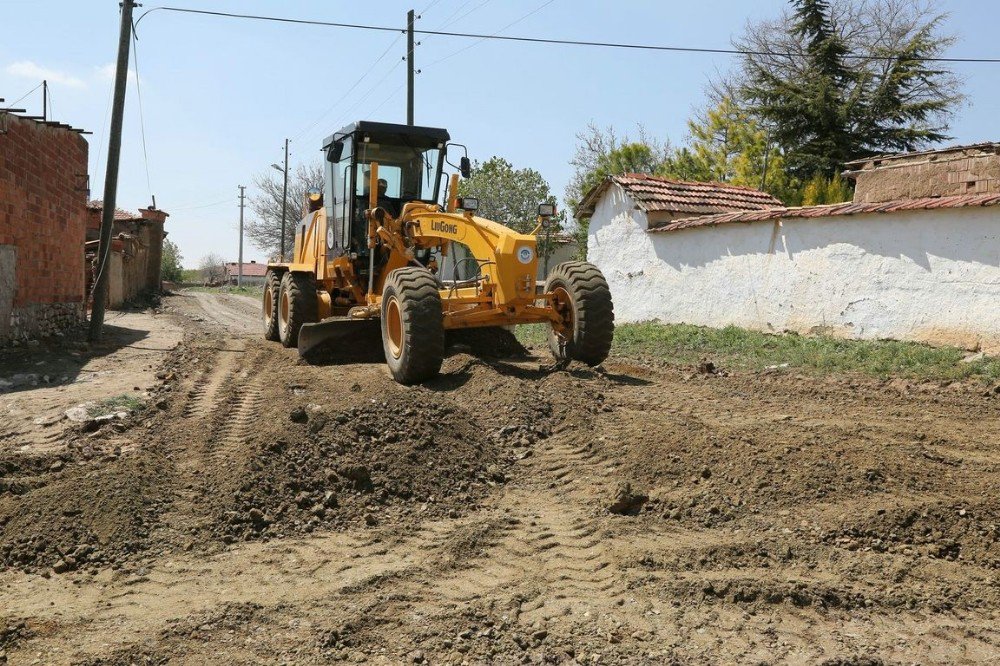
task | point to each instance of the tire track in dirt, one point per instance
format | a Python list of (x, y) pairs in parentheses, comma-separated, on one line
[(194, 451), (241, 411)]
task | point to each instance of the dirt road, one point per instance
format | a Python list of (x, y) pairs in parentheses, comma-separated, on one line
[(266, 511)]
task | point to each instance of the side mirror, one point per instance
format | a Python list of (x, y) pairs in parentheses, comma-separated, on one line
[(335, 152), (465, 166)]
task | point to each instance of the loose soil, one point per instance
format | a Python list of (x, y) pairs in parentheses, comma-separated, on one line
[(260, 509)]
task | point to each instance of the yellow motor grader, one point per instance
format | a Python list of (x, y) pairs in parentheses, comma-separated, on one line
[(383, 248)]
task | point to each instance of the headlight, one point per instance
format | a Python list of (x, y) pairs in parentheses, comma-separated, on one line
[(470, 204)]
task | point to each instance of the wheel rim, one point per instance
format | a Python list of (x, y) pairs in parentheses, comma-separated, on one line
[(268, 305), (283, 308), (394, 327), (563, 304)]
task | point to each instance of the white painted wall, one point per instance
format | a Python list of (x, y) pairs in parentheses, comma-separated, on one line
[(931, 276)]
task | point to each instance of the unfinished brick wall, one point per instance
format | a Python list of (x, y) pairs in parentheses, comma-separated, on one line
[(43, 218), (966, 170)]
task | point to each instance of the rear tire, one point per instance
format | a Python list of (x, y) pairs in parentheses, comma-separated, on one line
[(272, 288), (296, 306), (582, 294), (412, 325)]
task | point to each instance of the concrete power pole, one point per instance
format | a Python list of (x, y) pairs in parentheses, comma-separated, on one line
[(239, 275), (409, 67), (284, 203), (111, 177)]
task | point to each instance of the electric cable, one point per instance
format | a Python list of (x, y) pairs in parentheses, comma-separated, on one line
[(553, 41)]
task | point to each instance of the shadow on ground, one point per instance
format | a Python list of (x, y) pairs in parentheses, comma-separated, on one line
[(61, 359)]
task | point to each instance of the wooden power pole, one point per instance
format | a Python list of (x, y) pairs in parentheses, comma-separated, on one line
[(239, 275), (111, 178), (409, 67), (284, 202)]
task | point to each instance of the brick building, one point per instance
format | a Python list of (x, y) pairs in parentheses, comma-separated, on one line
[(253, 273), (136, 251), (43, 222)]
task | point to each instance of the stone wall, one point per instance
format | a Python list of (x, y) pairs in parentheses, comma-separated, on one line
[(969, 170), (43, 196)]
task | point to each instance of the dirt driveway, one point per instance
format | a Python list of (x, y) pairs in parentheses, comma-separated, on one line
[(261, 510)]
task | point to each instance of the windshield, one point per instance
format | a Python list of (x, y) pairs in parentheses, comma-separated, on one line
[(410, 173)]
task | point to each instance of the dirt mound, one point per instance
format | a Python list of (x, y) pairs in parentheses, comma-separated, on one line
[(408, 453), (968, 531), (87, 515)]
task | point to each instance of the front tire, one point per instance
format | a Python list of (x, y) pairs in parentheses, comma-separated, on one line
[(412, 325), (583, 298), (296, 306), (272, 289)]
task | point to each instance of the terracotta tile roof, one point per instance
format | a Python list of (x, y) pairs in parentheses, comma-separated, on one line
[(252, 269), (832, 210), (120, 213), (653, 193)]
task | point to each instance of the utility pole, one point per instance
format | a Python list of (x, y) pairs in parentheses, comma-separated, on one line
[(111, 177), (409, 67), (284, 203), (45, 100), (239, 276)]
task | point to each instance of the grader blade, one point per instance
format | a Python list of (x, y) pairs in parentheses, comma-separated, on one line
[(338, 333)]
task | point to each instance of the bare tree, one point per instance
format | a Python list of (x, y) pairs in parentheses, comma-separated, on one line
[(264, 227), (212, 269), (595, 143)]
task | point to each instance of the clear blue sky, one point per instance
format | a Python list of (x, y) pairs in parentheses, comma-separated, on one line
[(221, 95)]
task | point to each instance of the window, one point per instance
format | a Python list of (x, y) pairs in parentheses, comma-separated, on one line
[(411, 173), (392, 175)]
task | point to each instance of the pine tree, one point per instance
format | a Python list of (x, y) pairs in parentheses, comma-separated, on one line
[(827, 106)]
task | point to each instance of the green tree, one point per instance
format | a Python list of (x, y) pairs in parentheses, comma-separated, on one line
[(836, 82), (728, 145), (822, 190), (170, 262), (510, 196)]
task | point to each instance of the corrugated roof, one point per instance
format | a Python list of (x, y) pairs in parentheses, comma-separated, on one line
[(653, 193), (120, 213), (249, 270), (832, 210)]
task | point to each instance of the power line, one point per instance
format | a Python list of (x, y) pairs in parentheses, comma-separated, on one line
[(509, 25), (208, 205), (344, 96), (14, 103), (142, 122), (552, 41)]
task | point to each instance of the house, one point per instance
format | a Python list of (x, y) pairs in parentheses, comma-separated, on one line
[(43, 222), (136, 251), (916, 256), (253, 273)]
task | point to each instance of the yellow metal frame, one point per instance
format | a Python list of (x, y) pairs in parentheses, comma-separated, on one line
[(506, 295)]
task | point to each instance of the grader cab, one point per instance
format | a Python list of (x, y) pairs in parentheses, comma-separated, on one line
[(389, 248)]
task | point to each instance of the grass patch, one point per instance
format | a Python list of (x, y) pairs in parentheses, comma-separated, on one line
[(118, 403), (741, 349)]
